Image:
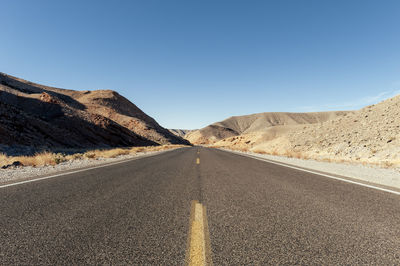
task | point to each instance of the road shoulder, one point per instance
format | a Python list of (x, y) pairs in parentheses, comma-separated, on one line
[(28, 173), (385, 179)]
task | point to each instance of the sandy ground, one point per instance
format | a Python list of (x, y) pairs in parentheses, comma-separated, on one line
[(15, 174), (381, 176)]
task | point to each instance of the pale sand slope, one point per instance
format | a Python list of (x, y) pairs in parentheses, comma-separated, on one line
[(370, 135), (262, 122)]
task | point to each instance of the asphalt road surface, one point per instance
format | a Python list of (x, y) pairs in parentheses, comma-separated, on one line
[(138, 213)]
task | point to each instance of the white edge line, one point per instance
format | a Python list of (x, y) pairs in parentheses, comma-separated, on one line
[(82, 170), (312, 172)]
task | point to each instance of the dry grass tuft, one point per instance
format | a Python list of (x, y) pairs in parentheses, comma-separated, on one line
[(48, 158), (275, 152), (313, 155), (260, 151), (44, 158)]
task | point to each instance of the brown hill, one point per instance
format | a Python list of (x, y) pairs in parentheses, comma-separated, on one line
[(33, 116), (262, 122)]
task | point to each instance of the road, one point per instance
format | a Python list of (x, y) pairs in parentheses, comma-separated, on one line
[(138, 212)]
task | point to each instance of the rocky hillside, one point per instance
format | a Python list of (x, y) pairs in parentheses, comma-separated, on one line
[(256, 123), (34, 117), (370, 135), (180, 132)]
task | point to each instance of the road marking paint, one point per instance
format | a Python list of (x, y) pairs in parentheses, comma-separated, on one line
[(199, 249), (320, 174), (80, 170), (198, 161)]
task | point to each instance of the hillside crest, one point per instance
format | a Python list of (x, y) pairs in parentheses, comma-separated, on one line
[(35, 116)]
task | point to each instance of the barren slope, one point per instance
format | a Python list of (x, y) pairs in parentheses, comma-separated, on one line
[(34, 116), (370, 135), (255, 123), (180, 132)]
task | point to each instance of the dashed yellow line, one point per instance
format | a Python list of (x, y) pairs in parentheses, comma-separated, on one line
[(199, 249), (198, 161)]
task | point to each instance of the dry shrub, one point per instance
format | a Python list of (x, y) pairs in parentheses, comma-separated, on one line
[(44, 158), (292, 154), (260, 151), (3, 159), (90, 154), (48, 158), (325, 159), (38, 159), (275, 152), (76, 156), (111, 153), (341, 160), (218, 146), (387, 164), (141, 149), (59, 158)]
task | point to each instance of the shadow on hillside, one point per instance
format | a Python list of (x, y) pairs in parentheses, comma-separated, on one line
[(29, 125), (32, 88)]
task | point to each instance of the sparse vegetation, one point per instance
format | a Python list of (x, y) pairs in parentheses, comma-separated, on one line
[(260, 151), (49, 158), (44, 158), (327, 158), (389, 163)]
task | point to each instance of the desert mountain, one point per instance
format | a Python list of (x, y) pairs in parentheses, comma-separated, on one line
[(272, 123), (180, 132), (33, 116), (369, 135)]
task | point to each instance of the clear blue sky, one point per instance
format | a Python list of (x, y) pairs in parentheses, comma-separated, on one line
[(191, 63)]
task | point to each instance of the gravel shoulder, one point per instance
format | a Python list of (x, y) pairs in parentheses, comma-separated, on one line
[(29, 172), (371, 174)]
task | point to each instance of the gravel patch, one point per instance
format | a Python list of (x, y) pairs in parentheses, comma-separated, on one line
[(373, 174), (18, 173)]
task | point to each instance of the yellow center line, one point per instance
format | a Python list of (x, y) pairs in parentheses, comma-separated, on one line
[(199, 251), (198, 161)]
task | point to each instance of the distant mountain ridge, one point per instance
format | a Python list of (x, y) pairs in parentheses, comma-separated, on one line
[(180, 132), (37, 116), (260, 122), (370, 135)]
